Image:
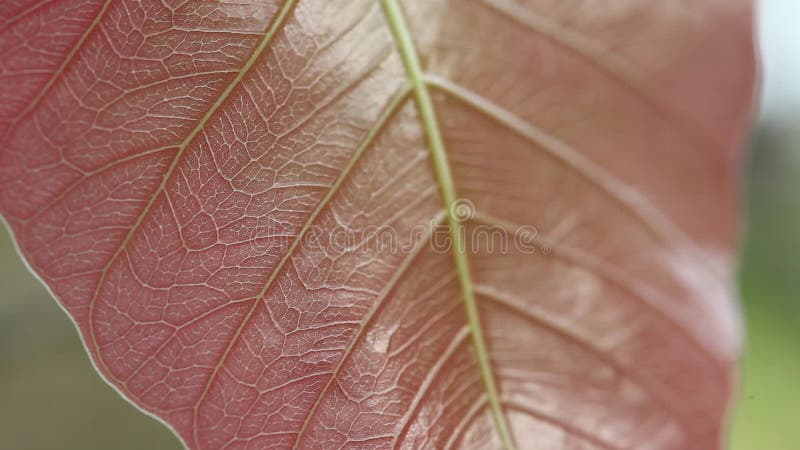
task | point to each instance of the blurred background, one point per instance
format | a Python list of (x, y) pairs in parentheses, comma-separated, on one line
[(767, 416), (47, 380)]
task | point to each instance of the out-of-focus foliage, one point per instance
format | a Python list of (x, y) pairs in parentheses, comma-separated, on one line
[(767, 415), (770, 282)]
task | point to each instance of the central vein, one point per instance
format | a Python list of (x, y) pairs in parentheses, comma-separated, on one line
[(402, 37)]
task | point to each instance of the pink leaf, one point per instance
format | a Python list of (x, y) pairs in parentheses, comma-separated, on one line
[(205, 186)]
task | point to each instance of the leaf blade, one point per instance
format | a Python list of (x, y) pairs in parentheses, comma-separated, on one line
[(205, 265)]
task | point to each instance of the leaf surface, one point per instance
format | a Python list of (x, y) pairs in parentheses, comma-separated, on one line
[(181, 176)]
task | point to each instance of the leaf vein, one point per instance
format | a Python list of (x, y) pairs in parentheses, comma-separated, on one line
[(630, 199), (613, 276), (376, 307), (572, 430), (615, 68), (430, 377), (405, 46), (370, 136), (61, 68)]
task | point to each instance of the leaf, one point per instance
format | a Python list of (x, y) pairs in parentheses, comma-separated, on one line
[(181, 176)]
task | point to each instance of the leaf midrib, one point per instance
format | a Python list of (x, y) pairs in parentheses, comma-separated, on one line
[(420, 83), (405, 46)]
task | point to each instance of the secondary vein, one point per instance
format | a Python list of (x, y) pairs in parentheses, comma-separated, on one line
[(273, 28), (444, 176)]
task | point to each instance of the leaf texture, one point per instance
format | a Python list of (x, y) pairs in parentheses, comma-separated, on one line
[(174, 171)]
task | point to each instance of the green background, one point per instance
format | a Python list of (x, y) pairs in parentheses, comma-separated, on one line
[(51, 397)]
